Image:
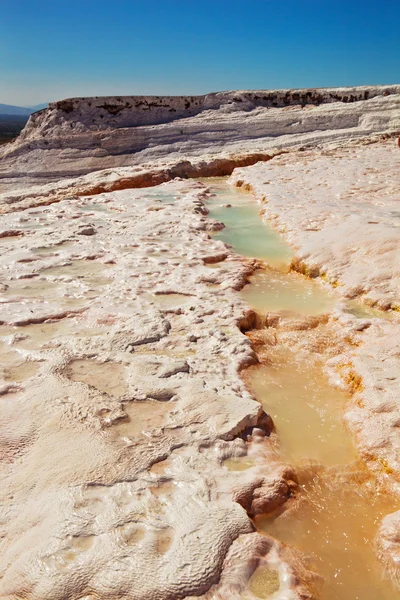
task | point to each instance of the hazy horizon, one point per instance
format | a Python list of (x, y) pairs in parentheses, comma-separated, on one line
[(50, 52)]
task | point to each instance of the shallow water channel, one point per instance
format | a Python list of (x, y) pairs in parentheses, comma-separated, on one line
[(335, 518)]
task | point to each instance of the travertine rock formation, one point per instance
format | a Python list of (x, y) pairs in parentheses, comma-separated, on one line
[(124, 421), (81, 135), (340, 210)]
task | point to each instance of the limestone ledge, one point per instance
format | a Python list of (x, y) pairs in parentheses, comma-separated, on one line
[(77, 136), (108, 180)]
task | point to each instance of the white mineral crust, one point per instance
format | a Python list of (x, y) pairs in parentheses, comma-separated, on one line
[(114, 324)]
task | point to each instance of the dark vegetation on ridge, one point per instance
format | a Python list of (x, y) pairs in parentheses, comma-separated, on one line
[(11, 126)]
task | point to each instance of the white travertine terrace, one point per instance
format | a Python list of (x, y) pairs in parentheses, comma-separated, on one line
[(119, 313), (340, 210), (81, 135)]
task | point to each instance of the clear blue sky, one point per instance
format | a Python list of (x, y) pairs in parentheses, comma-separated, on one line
[(61, 48)]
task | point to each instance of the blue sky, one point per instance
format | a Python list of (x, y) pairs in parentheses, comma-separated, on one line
[(56, 49)]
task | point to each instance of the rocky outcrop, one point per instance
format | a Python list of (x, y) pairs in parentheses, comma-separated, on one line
[(81, 135)]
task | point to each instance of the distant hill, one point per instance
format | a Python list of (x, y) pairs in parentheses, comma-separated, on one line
[(39, 107), (9, 109)]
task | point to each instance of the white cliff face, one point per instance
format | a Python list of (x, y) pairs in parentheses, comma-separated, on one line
[(78, 136)]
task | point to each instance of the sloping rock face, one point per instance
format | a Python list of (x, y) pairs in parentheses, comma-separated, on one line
[(81, 135)]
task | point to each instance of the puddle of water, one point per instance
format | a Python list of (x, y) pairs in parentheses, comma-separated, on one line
[(88, 270), (34, 336), (274, 291), (238, 464), (21, 372), (94, 207), (363, 311), (8, 355), (162, 195), (143, 416), (244, 229), (82, 543), (52, 249), (39, 334), (33, 224), (306, 410), (106, 377), (334, 525), (30, 288), (171, 299), (14, 367)]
